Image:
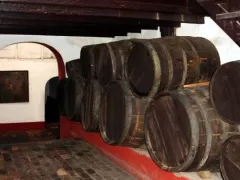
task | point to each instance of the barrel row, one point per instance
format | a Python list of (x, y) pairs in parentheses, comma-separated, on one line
[(151, 66)]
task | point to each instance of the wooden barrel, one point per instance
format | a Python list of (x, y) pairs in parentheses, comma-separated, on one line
[(229, 159), (74, 68), (202, 57), (154, 67), (225, 91), (90, 107), (105, 64), (122, 116), (61, 96), (192, 139), (74, 91), (121, 51), (88, 62)]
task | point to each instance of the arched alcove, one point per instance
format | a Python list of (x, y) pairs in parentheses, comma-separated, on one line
[(42, 62)]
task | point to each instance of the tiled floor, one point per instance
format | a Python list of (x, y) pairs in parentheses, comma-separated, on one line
[(56, 160)]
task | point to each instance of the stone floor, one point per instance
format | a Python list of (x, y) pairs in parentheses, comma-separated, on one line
[(57, 160)]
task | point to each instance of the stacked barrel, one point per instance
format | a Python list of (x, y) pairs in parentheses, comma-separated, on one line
[(154, 91), (225, 97), (70, 91)]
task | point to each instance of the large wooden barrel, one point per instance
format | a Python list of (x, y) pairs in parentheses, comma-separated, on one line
[(74, 88), (90, 107), (74, 68), (122, 116), (230, 159), (225, 91), (88, 62), (105, 63), (183, 131), (202, 57), (154, 67)]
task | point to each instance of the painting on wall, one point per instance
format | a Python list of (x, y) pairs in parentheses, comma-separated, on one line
[(14, 86)]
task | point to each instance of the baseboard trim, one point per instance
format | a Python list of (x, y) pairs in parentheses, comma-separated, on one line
[(24, 126)]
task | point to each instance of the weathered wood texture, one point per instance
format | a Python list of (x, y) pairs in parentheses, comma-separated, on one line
[(88, 62), (91, 106), (183, 131), (92, 18), (159, 65), (110, 60), (74, 68), (225, 91), (230, 159), (122, 116)]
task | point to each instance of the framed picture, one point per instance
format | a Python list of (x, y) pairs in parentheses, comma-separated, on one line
[(14, 86)]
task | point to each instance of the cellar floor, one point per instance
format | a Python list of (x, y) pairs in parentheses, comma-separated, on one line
[(57, 160)]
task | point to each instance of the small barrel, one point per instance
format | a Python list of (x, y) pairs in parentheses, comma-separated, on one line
[(74, 68), (90, 107), (202, 57), (225, 91), (105, 64), (88, 62), (192, 139), (229, 159), (74, 90), (122, 116), (154, 67)]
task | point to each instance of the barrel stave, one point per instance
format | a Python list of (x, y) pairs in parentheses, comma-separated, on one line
[(90, 106), (172, 148), (105, 64), (88, 62), (144, 69), (121, 51)]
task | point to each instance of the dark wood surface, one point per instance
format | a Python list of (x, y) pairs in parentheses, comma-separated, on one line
[(224, 91), (121, 51), (212, 130), (144, 68), (209, 59), (122, 116), (91, 106), (230, 158), (88, 62), (105, 64), (92, 18), (74, 68), (193, 137), (171, 132)]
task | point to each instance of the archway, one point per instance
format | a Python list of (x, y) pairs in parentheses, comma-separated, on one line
[(36, 124), (57, 54)]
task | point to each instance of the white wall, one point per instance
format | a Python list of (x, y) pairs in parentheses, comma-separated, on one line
[(41, 65)]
